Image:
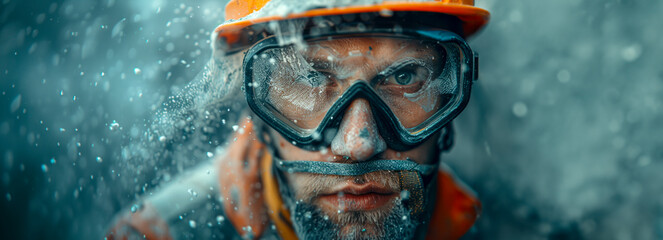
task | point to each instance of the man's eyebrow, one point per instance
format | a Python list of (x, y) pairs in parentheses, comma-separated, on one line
[(325, 57), (319, 63), (321, 59)]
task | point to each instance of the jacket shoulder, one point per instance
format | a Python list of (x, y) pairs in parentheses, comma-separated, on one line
[(457, 207)]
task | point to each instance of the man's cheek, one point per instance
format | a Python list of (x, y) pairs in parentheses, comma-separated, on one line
[(298, 185)]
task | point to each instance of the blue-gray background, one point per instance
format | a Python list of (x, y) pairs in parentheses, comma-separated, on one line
[(562, 139)]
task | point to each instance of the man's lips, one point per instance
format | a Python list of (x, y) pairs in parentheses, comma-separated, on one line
[(357, 197)]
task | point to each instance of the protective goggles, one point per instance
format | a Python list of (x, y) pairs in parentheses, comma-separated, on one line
[(416, 81)]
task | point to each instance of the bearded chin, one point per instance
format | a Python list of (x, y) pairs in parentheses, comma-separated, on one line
[(310, 223)]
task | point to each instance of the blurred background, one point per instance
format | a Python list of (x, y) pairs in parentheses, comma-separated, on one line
[(560, 141)]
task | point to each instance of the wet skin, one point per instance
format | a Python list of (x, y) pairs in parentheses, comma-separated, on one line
[(358, 139)]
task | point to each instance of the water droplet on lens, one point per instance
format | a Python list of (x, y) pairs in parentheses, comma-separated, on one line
[(192, 223), (520, 109), (316, 135), (114, 126), (405, 194)]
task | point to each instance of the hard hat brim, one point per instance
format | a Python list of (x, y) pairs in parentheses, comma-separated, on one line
[(472, 18)]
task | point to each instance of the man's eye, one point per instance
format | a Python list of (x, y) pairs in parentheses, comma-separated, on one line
[(402, 77)]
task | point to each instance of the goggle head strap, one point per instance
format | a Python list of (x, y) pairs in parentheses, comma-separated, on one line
[(353, 169)]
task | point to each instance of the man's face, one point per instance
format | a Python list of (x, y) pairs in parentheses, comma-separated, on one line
[(366, 206)]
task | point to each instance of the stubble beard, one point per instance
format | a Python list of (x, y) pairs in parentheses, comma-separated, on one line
[(311, 222)]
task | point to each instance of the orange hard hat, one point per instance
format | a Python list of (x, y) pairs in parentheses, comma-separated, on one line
[(237, 13)]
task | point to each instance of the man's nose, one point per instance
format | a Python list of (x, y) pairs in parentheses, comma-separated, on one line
[(358, 136)]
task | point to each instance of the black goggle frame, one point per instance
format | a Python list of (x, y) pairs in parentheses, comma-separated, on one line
[(391, 130)]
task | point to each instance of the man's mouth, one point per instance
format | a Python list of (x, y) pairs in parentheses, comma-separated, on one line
[(351, 197)]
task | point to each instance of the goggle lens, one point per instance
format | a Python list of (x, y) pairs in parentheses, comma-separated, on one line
[(417, 79)]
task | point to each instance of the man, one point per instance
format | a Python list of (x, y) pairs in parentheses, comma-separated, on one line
[(349, 110)]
